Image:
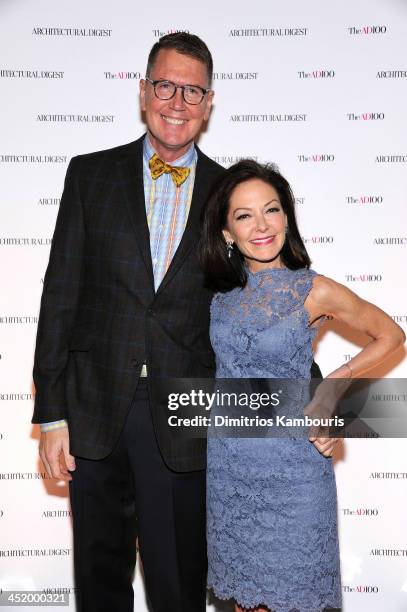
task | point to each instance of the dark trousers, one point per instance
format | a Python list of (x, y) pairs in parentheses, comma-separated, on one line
[(131, 493)]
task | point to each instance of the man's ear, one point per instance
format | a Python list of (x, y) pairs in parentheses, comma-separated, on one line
[(142, 88), (209, 101)]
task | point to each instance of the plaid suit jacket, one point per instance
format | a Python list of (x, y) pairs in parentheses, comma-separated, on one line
[(100, 317)]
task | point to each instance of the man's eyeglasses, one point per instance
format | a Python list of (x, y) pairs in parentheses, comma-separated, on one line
[(165, 90)]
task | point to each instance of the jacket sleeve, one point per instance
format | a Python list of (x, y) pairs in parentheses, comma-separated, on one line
[(61, 292)]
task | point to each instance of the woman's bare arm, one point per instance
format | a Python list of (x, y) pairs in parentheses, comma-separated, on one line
[(330, 298), (327, 297)]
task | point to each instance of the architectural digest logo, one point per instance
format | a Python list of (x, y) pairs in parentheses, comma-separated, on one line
[(58, 590), (13, 397), (363, 278), (56, 513), (228, 160), (388, 476), (366, 30), (235, 76), (273, 32), (389, 397), (24, 476), (391, 159), (365, 116), (387, 240), (364, 199), (122, 75), (391, 74), (321, 158), (6, 73), (278, 118), (49, 201), (48, 118), (17, 319), (388, 552), (35, 552), (24, 241), (316, 74), (74, 32), (28, 158)]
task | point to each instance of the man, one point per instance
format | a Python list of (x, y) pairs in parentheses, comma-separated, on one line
[(123, 297), (123, 303)]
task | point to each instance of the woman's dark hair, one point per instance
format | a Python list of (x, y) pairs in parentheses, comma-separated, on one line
[(186, 44), (221, 272)]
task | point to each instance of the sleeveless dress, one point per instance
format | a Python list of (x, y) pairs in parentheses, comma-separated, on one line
[(271, 502)]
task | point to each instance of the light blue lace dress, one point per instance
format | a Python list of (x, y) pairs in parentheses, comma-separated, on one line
[(271, 503)]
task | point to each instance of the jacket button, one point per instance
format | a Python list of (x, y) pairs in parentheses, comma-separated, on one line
[(151, 311)]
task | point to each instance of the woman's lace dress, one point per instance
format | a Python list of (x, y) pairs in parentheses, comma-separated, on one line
[(271, 503)]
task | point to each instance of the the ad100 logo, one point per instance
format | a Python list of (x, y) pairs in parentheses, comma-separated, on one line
[(365, 199), (316, 157), (158, 33), (365, 116), (316, 74), (363, 278), (122, 75), (366, 512), (363, 30), (361, 588), (318, 239)]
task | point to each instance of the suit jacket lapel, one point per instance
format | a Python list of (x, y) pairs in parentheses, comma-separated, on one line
[(190, 236), (131, 172)]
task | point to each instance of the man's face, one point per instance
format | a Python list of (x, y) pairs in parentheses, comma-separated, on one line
[(173, 124)]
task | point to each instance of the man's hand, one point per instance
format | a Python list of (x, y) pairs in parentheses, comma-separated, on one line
[(54, 453)]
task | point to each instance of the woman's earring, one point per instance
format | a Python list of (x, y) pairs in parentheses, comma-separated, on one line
[(229, 248)]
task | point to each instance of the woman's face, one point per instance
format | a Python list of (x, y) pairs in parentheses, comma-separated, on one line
[(256, 223)]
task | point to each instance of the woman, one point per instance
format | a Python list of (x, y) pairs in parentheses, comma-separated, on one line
[(271, 503)]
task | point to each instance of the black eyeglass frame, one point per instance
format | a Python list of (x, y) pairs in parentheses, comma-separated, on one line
[(202, 90)]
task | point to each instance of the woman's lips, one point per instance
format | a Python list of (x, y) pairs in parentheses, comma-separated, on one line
[(262, 241)]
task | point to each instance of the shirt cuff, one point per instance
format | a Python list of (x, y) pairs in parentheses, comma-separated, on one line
[(53, 425)]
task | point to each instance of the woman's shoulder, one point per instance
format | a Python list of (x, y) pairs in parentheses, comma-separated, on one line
[(325, 290), (324, 284)]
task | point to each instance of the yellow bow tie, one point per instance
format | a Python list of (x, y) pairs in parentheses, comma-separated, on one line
[(159, 167)]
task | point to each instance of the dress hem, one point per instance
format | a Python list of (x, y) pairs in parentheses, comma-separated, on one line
[(263, 602)]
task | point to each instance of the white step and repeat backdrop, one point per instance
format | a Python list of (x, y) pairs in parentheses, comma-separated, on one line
[(317, 87)]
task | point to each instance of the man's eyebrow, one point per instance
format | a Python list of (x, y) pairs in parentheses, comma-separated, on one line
[(185, 84)]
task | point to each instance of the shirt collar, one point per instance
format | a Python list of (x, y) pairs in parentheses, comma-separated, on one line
[(185, 160)]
